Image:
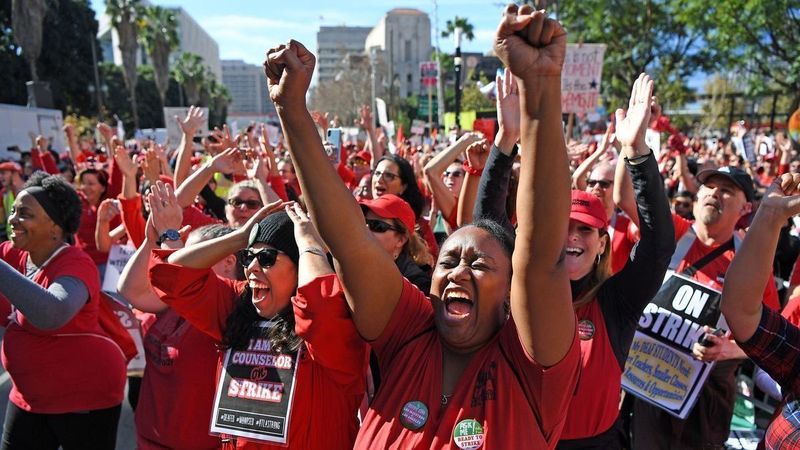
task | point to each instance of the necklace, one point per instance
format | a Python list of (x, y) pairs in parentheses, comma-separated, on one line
[(446, 398)]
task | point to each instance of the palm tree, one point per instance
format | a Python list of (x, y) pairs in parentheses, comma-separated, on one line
[(124, 15), (26, 20), (159, 35), (190, 72), (467, 30)]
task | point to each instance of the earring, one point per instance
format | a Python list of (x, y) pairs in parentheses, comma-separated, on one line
[(597, 261)]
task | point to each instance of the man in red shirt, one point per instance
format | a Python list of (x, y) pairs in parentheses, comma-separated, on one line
[(725, 196)]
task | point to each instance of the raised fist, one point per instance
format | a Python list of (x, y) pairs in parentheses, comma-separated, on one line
[(289, 68), (530, 44)]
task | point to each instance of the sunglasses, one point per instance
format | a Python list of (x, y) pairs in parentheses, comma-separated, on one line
[(454, 174), (604, 184), (358, 162), (379, 226), (388, 176), (266, 258), (250, 204), (682, 204)]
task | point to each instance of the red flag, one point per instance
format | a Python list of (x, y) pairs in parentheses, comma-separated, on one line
[(400, 137)]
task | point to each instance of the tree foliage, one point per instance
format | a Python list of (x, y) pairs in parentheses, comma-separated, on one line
[(190, 72), (65, 61), (124, 16), (159, 35), (664, 38), (467, 30), (760, 39), (27, 17)]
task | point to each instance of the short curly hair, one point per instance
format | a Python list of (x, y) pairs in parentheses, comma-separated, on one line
[(62, 194)]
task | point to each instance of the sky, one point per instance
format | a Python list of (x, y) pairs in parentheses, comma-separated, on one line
[(245, 29)]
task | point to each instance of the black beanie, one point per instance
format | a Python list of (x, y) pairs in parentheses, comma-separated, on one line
[(277, 230)]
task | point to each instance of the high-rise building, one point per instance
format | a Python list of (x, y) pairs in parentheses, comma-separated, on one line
[(247, 86), (334, 44), (192, 39), (402, 39)]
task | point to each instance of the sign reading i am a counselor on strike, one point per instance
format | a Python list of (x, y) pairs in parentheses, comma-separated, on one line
[(580, 77), (255, 391), (660, 368)]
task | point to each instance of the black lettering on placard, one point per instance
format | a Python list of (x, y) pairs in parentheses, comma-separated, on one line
[(254, 392)]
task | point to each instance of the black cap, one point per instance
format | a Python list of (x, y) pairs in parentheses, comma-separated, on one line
[(277, 230), (735, 174)]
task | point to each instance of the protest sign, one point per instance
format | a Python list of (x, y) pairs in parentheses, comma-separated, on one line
[(118, 257), (255, 391), (660, 368), (580, 77)]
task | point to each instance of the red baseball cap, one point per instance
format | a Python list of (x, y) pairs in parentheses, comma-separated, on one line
[(12, 166), (365, 155), (390, 206), (586, 208)]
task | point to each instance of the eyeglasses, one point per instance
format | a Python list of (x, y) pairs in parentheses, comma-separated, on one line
[(358, 162), (266, 258), (454, 174), (379, 226), (250, 204), (388, 176), (604, 184)]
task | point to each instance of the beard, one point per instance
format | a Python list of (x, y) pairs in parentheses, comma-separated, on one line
[(708, 215)]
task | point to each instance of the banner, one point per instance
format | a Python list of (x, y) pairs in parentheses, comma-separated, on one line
[(428, 76), (580, 77), (660, 368), (255, 391)]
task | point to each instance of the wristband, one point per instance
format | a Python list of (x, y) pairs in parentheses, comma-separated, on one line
[(314, 251), (471, 170), (636, 160)]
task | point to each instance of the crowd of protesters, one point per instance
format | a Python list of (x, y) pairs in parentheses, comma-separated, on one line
[(440, 294)]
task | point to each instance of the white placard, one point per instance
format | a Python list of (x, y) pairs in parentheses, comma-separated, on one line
[(581, 76)]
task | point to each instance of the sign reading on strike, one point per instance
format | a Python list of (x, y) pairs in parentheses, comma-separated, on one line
[(580, 77), (255, 391), (660, 368)]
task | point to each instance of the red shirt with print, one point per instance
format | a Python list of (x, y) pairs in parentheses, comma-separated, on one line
[(180, 376), (73, 368), (331, 373), (517, 402)]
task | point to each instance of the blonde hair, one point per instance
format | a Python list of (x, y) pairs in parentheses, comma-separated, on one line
[(601, 271), (246, 184), (415, 246)]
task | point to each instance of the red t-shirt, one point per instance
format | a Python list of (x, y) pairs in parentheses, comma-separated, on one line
[(713, 273), (517, 402), (84, 238), (622, 242), (595, 406), (180, 376), (74, 368), (330, 376)]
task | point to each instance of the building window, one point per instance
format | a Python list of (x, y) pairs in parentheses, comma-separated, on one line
[(408, 51)]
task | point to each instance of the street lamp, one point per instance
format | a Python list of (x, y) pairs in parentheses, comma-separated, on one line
[(457, 62)]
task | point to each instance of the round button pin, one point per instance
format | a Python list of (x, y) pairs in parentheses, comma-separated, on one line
[(468, 434), (414, 415), (585, 329)]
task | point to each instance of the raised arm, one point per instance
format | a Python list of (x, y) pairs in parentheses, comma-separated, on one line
[(72, 142), (436, 166), (477, 154), (545, 321), (188, 126), (492, 193), (750, 269), (333, 209), (224, 162), (134, 283)]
